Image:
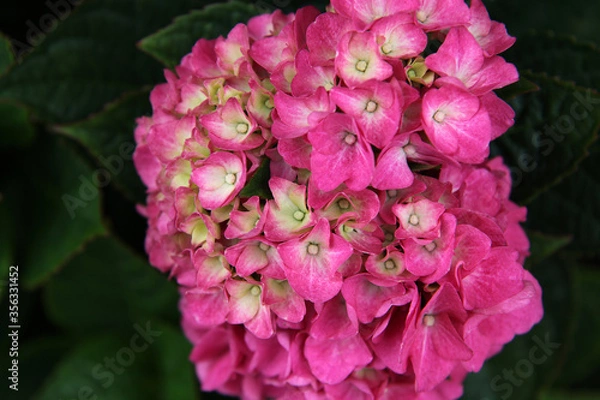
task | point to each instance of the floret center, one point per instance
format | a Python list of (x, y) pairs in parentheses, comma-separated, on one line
[(414, 220), (428, 320), (242, 128), (344, 204), (263, 246), (361, 66), (389, 264), (313, 249), (255, 291), (371, 106), (299, 215), (230, 179), (439, 116), (431, 247), (350, 139)]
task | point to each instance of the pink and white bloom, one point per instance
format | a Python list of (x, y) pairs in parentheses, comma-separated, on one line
[(435, 15), (376, 108), (319, 189), (359, 60), (311, 263), (461, 58), (219, 179), (340, 154), (246, 307), (457, 124), (399, 37), (491, 35), (363, 13), (229, 128), (436, 336), (296, 116), (288, 215), (392, 171)]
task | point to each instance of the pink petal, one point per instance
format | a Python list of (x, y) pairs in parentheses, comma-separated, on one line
[(247, 256), (296, 152), (204, 307), (220, 178), (399, 37), (459, 56), (323, 36), (495, 279), (331, 361), (358, 59), (371, 298), (283, 301), (297, 115), (432, 260), (333, 322), (288, 215), (245, 223), (472, 246), (502, 116), (230, 128), (309, 78), (147, 166), (456, 124), (311, 263), (491, 35), (392, 171), (375, 107), (340, 154), (212, 271), (364, 12), (435, 15), (166, 140), (419, 219)]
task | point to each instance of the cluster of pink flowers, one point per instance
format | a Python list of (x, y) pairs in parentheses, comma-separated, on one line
[(388, 262)]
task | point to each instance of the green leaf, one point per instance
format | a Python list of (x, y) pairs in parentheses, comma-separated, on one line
[(558, 55), (522, 86), (107, 286), (554, 130), (176, 372), (170, 44), (562, 395), (572, 207), (108, 136), (575, 17), (59, 209), (583, 352), (258, 185), (107, 367), (90, 59), (544, 246), (15, 128), (7, 57)]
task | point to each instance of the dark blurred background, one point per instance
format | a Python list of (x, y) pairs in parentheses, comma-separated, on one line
[(85, 287)]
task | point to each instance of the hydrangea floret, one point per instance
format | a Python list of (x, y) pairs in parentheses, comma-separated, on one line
[(386, 261)]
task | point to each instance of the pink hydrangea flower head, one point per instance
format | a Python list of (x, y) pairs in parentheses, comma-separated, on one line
[(319, 189)]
